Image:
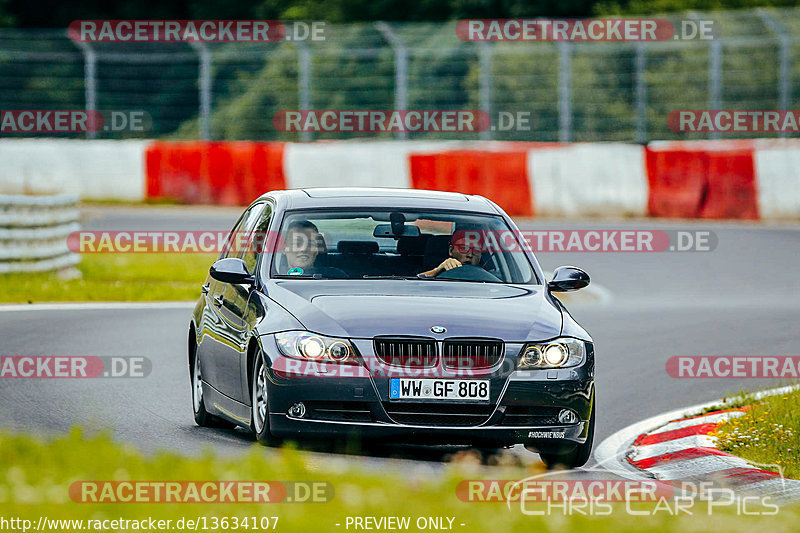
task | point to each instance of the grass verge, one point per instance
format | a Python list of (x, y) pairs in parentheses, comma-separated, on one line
[(114, 277), (732, 401), (36, 476), (769, 433)]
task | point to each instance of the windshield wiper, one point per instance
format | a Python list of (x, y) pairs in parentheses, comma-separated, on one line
[(299, 276), (367, 276)]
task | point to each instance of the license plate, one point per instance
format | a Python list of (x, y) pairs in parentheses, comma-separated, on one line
[(476, 390)]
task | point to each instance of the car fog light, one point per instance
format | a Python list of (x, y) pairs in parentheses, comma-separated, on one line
[(532, 356), (567, 416), (339, 351), (298, 410)]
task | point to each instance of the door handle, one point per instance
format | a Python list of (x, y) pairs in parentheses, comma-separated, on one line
[(204, 288), (218, 299)]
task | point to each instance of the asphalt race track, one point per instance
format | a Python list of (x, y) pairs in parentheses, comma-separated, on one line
[(740, 299)]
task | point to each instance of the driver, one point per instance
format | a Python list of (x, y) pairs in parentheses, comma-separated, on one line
[(303, 242), (461, 254)]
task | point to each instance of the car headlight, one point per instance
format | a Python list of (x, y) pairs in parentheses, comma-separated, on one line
[(306, 345), (558, 353)]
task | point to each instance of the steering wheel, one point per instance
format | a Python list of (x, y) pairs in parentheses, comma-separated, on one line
[(468, 273)]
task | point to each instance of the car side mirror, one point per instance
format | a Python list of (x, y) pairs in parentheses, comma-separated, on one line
[(231, 270), (568, 278)]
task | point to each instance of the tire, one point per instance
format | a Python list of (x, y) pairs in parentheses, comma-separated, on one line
[(579, 455), (259, 412), (201, 417)]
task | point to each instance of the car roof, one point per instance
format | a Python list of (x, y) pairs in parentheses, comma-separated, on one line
[(323, 197)]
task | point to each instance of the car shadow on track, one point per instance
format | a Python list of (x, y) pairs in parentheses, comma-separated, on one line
[(355, 447)]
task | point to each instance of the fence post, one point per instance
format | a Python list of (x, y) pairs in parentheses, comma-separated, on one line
[(400, 70), (564, 92), (485, 94), (204, 85), (714, 72), (641, 93), (89, 82), (304, 82), (785, 72), (715, 79)]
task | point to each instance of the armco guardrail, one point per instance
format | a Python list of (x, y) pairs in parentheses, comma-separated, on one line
[(34, 230)]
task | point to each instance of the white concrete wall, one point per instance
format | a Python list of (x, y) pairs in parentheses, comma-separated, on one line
[(90, 169), (588, 180)]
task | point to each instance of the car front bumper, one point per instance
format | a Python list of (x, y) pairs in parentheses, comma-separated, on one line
[(523, 408)]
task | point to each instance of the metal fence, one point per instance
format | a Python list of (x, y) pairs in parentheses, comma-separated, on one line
[(573, 91)]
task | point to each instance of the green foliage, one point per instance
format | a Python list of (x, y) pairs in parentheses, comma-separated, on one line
[(650, 7), (35, 476), (17, 13), (7, 20), (354, 68)]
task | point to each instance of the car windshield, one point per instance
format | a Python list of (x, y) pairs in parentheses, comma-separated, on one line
[(393, 244)]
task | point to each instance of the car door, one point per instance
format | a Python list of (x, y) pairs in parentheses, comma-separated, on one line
[(212, 332), (233, 305), (224, 347), (245, 303)]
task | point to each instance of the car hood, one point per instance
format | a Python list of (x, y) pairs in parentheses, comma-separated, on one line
[(364, 309)]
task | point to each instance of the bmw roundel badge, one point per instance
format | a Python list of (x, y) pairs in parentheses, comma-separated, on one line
[(438, 329)]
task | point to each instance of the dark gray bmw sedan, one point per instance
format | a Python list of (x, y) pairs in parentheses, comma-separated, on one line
[(405, 315)]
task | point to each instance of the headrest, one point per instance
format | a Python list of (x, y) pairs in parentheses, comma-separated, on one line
[(437, 249), (412, 245), (357, 247)]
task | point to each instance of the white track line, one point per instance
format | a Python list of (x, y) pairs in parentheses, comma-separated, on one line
[(94, 306)]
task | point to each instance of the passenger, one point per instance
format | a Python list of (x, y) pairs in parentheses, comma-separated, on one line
[(460, 254), (302, 244)]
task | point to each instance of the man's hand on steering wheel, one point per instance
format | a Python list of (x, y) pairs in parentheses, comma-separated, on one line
[(447, 264)]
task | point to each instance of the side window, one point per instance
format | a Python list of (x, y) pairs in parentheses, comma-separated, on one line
[(235, 241), (257, 237)]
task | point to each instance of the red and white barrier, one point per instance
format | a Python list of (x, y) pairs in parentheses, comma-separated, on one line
[(580, 180), (777, 169), (748, 179), (95, 169), (223, 173), (702, 179)]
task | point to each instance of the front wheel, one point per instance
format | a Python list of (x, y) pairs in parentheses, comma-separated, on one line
[(259, 417), (579, 455)]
